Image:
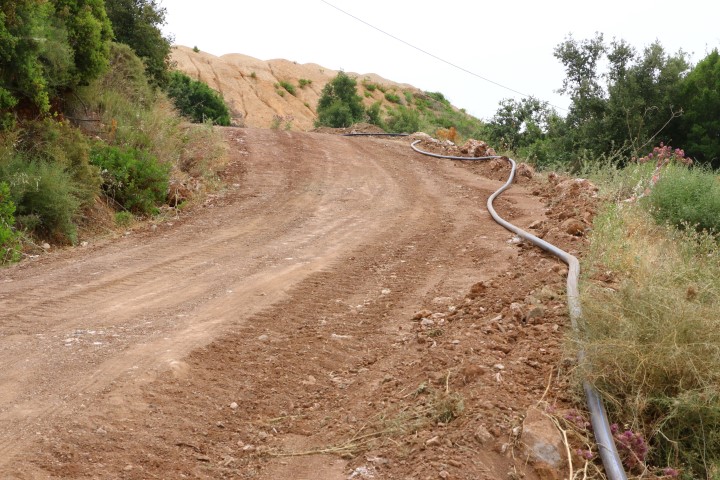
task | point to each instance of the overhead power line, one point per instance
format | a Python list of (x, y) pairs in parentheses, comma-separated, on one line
[(435, 56)]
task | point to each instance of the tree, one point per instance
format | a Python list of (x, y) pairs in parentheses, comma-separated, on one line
[(196, 100), (137, 23), (618, 113), (89, 34), (340, 105), (699, 129), (21, 71), (47, 47)]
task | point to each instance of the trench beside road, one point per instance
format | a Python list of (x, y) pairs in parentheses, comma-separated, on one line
[(318, 255)]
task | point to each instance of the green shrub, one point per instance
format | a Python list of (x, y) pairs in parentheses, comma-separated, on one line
[(132, 178), (196, 49), (288, 87), (686, 197), (46, 164), (409, 97), (339, 104), (59, 143), (196, 100), (46, 198), (403, 120), (437, 96), (304, 82), (392, 98), (9, 245), (368, 95), (373, 114), (370, 87)]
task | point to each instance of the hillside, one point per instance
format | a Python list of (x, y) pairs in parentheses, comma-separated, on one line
[(253, 91)]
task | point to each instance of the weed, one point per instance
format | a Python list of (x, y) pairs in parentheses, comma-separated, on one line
[(196, 49), (368, 95), (408, 97), (253, 75), (304, 82), (370, 87), (280, 92)]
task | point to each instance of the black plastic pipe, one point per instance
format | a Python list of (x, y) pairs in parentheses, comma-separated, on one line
[(598, 416)]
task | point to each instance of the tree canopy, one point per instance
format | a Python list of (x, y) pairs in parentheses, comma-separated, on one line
[(137, 23), (339, 104)]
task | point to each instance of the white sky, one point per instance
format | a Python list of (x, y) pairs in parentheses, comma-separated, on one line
[(509, 42)]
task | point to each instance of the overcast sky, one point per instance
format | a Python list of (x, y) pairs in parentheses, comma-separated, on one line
[(508, 42)]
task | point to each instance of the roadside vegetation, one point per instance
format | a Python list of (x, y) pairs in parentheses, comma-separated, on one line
[(651, 333), (85, 119)]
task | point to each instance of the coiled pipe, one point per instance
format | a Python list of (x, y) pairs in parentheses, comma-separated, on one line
[(598, 416)]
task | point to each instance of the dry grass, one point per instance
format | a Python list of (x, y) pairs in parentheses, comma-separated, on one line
[(651, 335)]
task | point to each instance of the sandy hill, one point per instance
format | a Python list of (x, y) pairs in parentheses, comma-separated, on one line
[(253, 91)]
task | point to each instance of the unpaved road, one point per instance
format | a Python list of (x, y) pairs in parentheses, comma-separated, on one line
[(271, 334)]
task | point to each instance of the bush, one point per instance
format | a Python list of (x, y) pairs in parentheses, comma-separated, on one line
[(46, 164), (9, 245), (304, 82), (686, 197), (373, 113), (370, 87), (59, 143), (196, 100), (403, 120), (46, 198), (339, 105), (392, 98), (132, 178)]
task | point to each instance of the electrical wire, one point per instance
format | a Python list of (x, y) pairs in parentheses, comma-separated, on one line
[(481, 77)]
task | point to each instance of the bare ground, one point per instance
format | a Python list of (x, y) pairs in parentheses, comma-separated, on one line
[(273, 333)]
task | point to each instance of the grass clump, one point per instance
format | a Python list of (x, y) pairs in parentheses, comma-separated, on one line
[(289, 87), (304, 82), (651, 335)]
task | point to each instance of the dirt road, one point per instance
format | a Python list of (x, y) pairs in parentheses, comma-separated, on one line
[(271, 333)]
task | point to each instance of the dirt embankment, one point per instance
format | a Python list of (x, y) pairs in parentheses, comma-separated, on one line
[(252, 88), (347, 309)]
